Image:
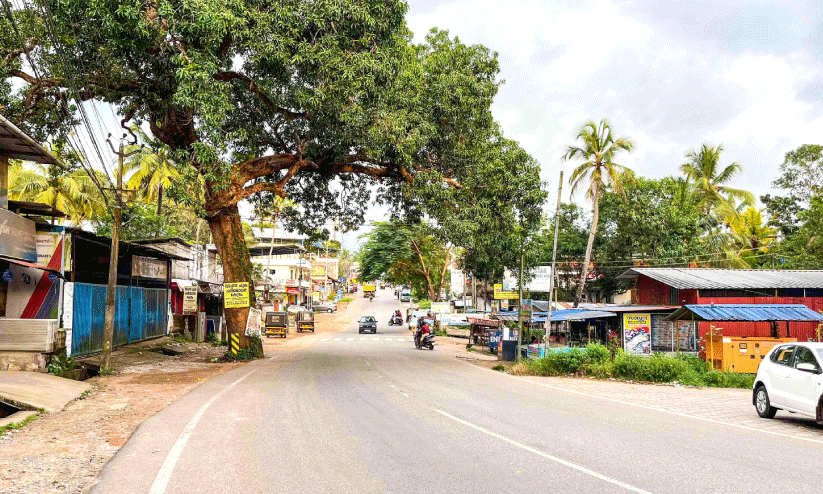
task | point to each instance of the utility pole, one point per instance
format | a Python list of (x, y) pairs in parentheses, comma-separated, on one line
[(474, 290), (111, 289), (554, 263), (520, 303)]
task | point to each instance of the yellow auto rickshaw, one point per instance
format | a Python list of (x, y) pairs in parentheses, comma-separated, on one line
[(304, 320), (277, 324)]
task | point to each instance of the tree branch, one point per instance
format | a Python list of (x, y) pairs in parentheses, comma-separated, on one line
[(254, 88)]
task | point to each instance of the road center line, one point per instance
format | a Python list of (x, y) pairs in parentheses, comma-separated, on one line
[(163, 476), (647, 407), (547, 456)]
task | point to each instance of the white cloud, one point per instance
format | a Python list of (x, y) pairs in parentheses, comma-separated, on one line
[(670, 75)]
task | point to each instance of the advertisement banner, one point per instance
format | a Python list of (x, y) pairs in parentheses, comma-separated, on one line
[(292, 290), (500, 294), (540, 278), (147, 267), (17, 237), (236, 295), (253, 323), (458, 282), (189, 299), (637, 330)]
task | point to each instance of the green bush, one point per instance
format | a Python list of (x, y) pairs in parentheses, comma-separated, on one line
[(425, 304), (598, 353), (657, 368)]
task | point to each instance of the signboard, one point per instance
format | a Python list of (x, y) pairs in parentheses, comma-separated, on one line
[(637, 329), (457, 281), (500, 294), (494, 339), (236, 295), (253, 324), (441, 307), (541, 277), (17, 237), (315, 296), (189, 299), (292, 290), (148, 267)]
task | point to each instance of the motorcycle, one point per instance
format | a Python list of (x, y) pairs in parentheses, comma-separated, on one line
[(427, 341), (396, 321)]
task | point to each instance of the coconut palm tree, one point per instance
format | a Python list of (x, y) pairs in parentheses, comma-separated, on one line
[(71, 190), (151, 169), (598, 172), (702, 169), (752, 237)]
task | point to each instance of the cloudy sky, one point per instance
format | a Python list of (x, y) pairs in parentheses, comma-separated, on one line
[(670, 75)]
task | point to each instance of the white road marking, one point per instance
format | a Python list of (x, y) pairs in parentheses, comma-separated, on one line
[(163, 476), (362, 339), (547, 456), (400, 339), (647, 407), (337, 339), (349, 339), (325, 339), (375, 339)]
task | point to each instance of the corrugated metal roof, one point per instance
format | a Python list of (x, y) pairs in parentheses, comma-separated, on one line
[(729, 279), (16, 144), (745, 312), (579, 315)]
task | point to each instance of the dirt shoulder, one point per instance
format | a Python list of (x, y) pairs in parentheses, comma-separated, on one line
[(63, 452)]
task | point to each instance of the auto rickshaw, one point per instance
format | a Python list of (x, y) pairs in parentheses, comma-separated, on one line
[(277, 324), (304, 321)]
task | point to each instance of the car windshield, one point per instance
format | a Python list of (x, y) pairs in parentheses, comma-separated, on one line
[(820, 354), (367, 319)]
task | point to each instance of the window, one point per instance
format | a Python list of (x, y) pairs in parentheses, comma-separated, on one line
[(805, 356), (783, 355), (820, 353)]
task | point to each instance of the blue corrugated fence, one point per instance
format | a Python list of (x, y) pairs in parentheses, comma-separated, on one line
[(141, 313)]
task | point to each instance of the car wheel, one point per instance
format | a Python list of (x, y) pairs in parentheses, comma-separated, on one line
[(762, 403), (360, 332), (329, 311)]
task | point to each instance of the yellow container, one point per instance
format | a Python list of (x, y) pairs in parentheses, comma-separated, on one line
[(740, 354)]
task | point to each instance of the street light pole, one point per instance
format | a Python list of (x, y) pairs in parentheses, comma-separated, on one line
[(520, 304), (548, 324)]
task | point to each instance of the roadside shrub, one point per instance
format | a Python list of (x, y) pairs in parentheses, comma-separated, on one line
[(598, 354), (694, 362), (499, 367), (720, 379), (657, 368), (425, 304), (601, 370)]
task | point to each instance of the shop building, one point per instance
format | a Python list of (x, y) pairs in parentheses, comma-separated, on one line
[(681, 286)]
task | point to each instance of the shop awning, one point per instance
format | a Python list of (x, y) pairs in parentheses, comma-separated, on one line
[(579, 315), (745, 312), (27, 264)]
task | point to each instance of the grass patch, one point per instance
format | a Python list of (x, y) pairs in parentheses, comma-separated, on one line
[(346, 300), (17, 425), (499, 368), (596, 361)]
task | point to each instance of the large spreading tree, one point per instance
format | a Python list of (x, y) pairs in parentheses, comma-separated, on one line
[(302, 99)]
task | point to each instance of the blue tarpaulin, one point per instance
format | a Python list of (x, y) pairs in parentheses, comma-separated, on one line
[(745, 312)]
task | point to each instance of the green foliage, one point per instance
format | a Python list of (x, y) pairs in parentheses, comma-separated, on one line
[(499, 368), (424, 304), (141, 221), (596, 361), (17, 425), (346, 300), (656, 368), (405, 254), (60, 363)]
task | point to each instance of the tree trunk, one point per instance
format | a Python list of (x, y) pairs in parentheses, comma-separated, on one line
[(425, 270), (585, 269), (443, 273), (227, 231)]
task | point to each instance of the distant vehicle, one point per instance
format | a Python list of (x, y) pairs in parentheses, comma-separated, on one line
[(367, 323), (790, 378), (405, 296), (325, 307), (415, 315)]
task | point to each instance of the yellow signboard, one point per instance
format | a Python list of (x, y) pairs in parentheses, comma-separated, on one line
[(235, 295), (499, 294)]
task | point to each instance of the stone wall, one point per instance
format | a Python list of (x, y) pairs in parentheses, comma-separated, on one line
[(24, 361)]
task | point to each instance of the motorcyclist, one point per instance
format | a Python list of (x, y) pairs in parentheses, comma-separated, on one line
[(396, 318), (421, 333)]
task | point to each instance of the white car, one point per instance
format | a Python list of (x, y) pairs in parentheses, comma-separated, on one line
[(790, 378)]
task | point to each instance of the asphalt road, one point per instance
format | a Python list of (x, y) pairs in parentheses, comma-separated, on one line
[(349, 413)]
